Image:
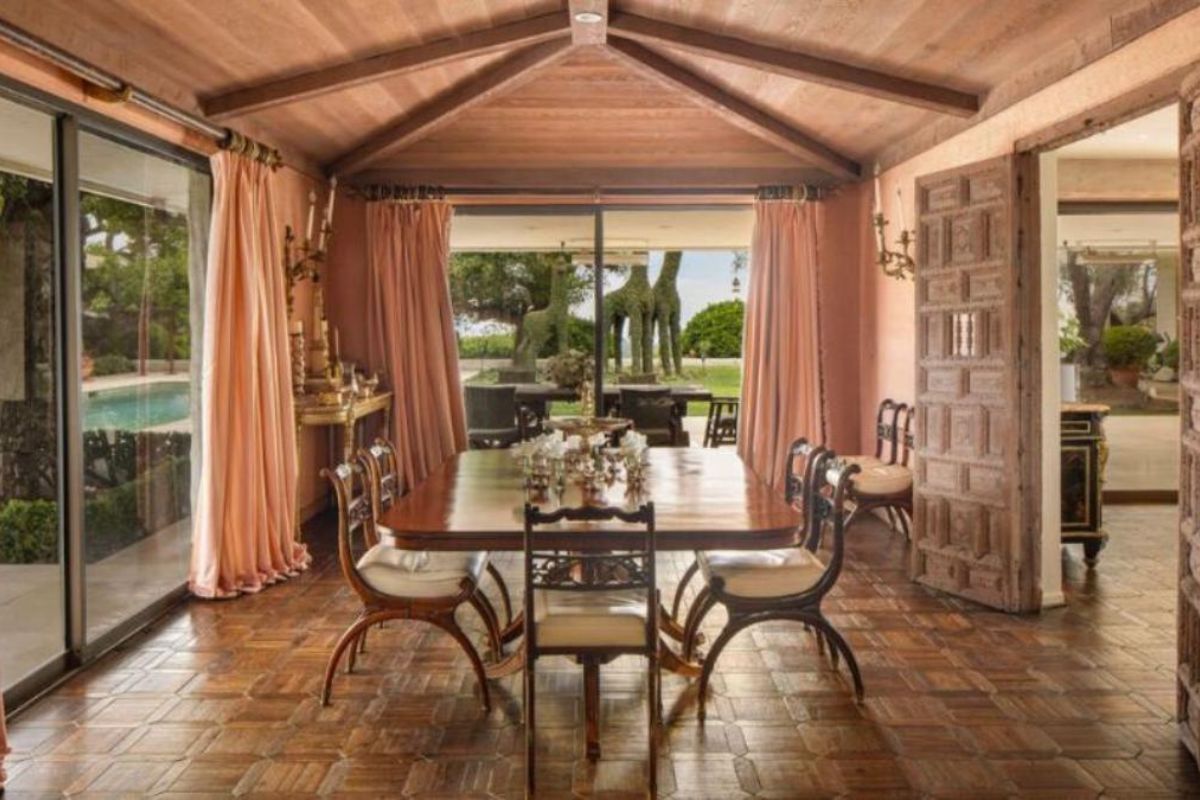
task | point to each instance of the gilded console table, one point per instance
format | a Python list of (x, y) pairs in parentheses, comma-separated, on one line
[(333, 417), (1083, 454)]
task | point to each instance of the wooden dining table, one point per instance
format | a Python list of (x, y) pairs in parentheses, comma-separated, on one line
[(704, 499)]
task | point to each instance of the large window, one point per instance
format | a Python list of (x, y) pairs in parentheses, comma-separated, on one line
[(102, 244), (31, 575), (137, 399)]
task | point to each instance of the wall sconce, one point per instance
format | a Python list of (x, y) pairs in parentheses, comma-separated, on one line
[(894, 263)]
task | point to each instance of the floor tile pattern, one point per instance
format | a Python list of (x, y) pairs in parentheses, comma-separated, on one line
[(219, 699)]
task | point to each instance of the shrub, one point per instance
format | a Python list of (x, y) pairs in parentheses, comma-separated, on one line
[(580, 336), (1128, 346), (111, 364), (29, 532), (570, 369), (493, 345), (720, 326), (1170, 355)]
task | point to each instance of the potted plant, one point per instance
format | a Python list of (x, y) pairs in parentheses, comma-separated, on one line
[(1127, 349), (1070, 342)]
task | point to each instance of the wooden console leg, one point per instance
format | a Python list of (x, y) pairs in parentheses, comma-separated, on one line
[(591, 703)]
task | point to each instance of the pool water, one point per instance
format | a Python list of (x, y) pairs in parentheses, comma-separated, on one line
[(135, 408)]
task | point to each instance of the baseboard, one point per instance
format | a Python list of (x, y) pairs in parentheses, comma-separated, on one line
[(1119, 497)]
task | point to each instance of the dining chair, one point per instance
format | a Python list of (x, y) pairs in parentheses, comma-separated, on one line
[(653, 414), (793, 484), (783, 584), (888, 486), (722, 424), (401, 584), (383, 468), (493, 418), (887, 427), (594, 597)]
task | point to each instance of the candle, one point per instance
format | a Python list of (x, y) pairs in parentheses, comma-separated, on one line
[(296, 327), (312, 212), (900, 199), (327, 221), (337, 350), (878, 192)]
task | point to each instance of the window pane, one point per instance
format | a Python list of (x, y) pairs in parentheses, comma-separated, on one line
[(522, 288), (139, 217), (31, 589)]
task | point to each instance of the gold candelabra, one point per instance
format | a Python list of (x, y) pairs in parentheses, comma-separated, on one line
[(894, 263)]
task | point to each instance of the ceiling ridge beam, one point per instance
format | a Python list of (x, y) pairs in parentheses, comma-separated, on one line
[(385, 65), (737, 111), (447, 106), (794, 64)]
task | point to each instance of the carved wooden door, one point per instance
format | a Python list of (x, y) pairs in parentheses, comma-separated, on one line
[(975, 532), (1188, 674)]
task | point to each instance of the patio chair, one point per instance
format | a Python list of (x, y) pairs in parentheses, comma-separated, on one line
[(721, 427), (493, 417), (592, 602), (783, 584), (402, 584), (888, 486), (653, 414)]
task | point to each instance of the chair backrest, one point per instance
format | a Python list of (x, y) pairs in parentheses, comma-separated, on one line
[(383, 469), (587, 559), (649, 408), (356, 514), (803, 459), (491, 407), (904, 436), (887, 429), (825, 507)]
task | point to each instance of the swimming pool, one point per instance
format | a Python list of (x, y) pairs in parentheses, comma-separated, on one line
[(135, 408)]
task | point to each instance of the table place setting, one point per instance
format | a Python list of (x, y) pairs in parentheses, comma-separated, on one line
[(553, 459)]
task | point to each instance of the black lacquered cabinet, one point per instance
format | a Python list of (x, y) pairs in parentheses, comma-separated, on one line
[(1083, 454)]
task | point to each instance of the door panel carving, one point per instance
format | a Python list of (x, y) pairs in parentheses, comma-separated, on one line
[(973, 535)]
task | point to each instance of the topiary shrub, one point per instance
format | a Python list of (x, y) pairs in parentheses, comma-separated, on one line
[(29, 532), (1128, 346), (111, 364), (1170, 355), (492, 345), (570, 369), (720, 325)]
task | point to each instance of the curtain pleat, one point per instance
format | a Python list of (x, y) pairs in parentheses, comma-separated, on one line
[(3, 742), (782, 393), (410, 324), (243, 535)]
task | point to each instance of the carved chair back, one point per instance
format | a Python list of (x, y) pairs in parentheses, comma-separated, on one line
[(356, 515), (887, 429), (825, 508), (384, 473), (904, 435), (649, 408), (491, 408), (579, 558), (804, 454)]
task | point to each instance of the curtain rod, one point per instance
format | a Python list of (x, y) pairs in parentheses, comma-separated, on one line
[(105, 86)]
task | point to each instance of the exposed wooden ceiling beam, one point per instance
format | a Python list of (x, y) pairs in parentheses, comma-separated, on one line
[(386, 65), (447, 106), (584, 31), (794, 64), (737, 111)]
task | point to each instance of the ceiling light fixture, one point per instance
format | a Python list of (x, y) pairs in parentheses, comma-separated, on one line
[(589, 17)]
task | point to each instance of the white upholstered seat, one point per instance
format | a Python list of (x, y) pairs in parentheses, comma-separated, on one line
[(417, 573), (882, 479), (762, 573), (590, 619), (864, 461)]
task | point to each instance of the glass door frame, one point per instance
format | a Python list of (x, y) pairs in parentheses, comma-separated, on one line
[(70, 120)]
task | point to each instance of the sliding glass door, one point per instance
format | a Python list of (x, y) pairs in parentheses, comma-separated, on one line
[(32, 620), (137, 405), (103, 234)]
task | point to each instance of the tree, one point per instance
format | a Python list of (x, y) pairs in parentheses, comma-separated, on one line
[(720, 326), (1108, 294)]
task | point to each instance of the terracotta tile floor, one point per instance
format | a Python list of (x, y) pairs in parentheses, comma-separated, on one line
[(218, 700)]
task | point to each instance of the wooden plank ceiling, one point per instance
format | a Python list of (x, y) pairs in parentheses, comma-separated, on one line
[(520, 93)]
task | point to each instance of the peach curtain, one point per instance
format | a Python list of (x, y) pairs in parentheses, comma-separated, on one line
[(410, 330), (3, 743), (782, 393), (242, 538)]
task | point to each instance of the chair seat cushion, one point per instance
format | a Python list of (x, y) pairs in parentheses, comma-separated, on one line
[(590, 619), (417, 573), (863, 461), (883, 479), (762, 573)]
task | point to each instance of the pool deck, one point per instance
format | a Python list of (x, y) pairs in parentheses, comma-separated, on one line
[(132, 379)]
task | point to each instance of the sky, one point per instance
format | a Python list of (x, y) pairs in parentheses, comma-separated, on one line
[(705, 277)]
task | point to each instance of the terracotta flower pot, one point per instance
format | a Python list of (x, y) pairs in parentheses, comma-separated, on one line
[(1126, 377)]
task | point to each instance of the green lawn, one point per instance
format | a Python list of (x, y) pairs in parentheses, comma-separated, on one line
[(723, 381)]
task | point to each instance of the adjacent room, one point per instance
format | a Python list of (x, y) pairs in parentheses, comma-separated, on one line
[(599, 398)]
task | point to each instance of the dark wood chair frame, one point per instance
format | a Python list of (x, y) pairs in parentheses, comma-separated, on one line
[(887, 426), (897, 505), (793, 483), (716, 427), (674, 418), (590, 565), (356, 514), (824, 498)]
